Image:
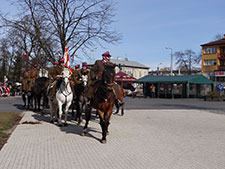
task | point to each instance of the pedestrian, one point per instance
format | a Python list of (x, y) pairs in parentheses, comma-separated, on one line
[(220, 88), (152, 89)]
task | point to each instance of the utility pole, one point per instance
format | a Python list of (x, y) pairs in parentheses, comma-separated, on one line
[(171, 66)]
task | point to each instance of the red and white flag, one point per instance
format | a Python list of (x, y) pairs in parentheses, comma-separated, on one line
[(66, 58)]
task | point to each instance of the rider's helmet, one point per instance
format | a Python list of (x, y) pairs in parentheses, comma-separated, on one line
[(77, 67), (84, 64), (106, 56)]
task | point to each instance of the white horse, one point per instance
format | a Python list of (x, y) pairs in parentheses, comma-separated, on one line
[(64, 95)]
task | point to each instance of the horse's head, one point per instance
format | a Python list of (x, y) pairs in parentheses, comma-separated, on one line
[(84, 79), (65, 76), (108, 75)]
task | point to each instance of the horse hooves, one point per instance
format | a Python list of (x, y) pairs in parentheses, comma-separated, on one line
[(103, 141), (83, 133), (52, 121)]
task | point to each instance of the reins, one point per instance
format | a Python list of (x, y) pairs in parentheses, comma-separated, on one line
[(68, 93)]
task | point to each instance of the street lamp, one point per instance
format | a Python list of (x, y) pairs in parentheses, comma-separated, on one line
[(171, 67), (158, 68)]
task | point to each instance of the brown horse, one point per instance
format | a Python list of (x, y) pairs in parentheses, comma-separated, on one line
[(117, 103), (103, 101)]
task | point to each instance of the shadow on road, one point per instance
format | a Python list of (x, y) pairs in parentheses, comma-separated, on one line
[(72, 127)]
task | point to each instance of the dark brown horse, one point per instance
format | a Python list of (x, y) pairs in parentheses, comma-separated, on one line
[(117, 103), (39, 90), (103, 101)]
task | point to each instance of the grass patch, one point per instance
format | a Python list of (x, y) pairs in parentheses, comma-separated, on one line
[(7, 121)]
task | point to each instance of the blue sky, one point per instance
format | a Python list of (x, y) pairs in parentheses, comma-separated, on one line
[(148, 26)]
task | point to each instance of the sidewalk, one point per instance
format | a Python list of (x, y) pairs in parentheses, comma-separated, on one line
[(154, 139)]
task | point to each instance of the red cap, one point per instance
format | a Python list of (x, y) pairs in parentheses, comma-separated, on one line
[(35, 66), (77, 66), (84, 64), (55, 63), (61, 61), (106, 54), (28, 69)]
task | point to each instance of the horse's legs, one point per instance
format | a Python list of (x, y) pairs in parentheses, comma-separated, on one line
[(51, 112), (39, 102), (117, 106), (104, 122), (80, 109), (60, 113), (24, 99), (66, 112), (122, 110), (88, 117), (35, 103)]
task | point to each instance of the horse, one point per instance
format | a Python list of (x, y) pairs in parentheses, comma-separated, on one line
[(81, 99), (64, 95), (27, 99), (117, 103), (39, 90), (103, 101)]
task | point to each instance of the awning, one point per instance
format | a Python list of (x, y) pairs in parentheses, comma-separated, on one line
[(194, 79), (123, 77)]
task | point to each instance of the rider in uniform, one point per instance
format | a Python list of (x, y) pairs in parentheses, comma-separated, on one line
[(80, 73), (34, 74), (26, 81), (53, 76), (96, 75)]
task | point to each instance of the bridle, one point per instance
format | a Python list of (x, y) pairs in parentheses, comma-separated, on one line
[(66, 93)]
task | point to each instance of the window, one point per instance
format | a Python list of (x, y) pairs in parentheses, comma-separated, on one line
[(210, 50), (210, 62)]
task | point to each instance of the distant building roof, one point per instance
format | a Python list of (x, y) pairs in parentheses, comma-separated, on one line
[(217, 42), (195, 79), (128, 63)]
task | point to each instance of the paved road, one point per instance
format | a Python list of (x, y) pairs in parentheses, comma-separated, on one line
[(154, 134), (11, 104), (15, 104)]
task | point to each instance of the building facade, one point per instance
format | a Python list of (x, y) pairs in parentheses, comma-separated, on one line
[(213, 60), (132, 68)]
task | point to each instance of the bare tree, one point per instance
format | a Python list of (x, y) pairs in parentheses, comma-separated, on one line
[(80, 24), (187, 60), (218, 37)]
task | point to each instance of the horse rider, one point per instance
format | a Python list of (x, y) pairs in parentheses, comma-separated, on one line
[(96, 75), (34, 74), (26, 81), (79, 74), (75, 72), (53, 77)]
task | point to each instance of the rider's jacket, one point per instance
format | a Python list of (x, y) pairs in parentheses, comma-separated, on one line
[(54, 71), (97, 69)]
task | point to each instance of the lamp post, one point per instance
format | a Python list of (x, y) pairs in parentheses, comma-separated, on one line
[(158, 68), (171, 67)]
